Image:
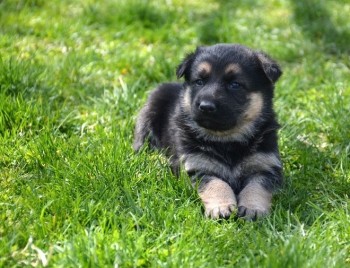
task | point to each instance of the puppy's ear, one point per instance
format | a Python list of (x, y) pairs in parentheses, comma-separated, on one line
[(270, 67), (184, 67)]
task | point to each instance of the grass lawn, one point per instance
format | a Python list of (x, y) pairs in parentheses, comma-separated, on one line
[(73, 75)]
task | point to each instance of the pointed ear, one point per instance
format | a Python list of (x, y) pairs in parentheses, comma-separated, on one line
[(184, 67), (270, 67)]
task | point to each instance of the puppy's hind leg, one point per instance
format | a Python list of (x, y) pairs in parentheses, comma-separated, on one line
[(143, 130)]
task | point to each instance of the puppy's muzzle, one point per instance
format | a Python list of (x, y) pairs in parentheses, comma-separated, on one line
[(206, 106)]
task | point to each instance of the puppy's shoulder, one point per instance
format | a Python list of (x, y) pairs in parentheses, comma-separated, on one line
[(164, 98), (166, 91)]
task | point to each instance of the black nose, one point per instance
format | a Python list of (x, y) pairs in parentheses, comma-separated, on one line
[(206, 106)]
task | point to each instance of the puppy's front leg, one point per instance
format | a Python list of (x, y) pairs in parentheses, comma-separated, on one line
[(254, 200), (218, 197)]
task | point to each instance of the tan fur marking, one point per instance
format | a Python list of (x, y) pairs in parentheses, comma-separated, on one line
[(255, 198), (233, 68), (218, 198), (261, 162), (204, 67), (187, 100), (254, 108), (195, 162)]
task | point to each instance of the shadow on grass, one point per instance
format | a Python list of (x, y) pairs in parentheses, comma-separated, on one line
[(16, 6), (212, 28), (315, 21), (135, 12)]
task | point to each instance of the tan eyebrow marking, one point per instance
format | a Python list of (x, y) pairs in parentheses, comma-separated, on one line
[(233, 68), (204, 67)]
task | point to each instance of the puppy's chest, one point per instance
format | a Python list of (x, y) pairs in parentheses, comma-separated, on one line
[(231, 156), (224, 160)]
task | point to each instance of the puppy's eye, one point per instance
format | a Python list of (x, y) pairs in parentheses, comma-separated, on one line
[(234, 85), (199, 82)]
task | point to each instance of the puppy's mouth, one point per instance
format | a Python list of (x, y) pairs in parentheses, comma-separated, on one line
[(214, 124)]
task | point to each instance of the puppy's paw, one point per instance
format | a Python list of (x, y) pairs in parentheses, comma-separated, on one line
[(216, 211), (254, 201), (251, 214), (218, 199)]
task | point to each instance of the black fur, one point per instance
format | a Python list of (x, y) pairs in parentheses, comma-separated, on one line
[(219, 124)]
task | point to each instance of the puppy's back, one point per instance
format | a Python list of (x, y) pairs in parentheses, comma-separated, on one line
[(153, 119)]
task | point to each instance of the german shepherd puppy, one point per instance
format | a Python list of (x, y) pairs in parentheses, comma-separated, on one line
[(220, 126)]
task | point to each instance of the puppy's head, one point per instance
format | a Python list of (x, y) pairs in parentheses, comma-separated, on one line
[(228, 88)]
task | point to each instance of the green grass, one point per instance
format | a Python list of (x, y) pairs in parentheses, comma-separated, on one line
[(73, 75)]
